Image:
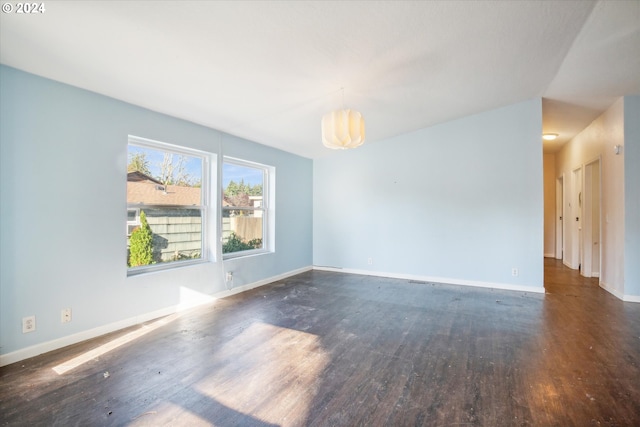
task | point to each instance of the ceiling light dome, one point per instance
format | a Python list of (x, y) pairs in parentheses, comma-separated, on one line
[(549, 136), (342, 129)]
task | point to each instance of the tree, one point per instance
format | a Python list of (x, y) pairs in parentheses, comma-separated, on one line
[(235, 189), (141, 244), (138, 163), (232, 189), (255, 190), (239, 200), (242, 187), (174, 172)]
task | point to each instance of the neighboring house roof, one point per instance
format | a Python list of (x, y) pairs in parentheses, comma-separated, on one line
[(137, 176), (144, 189), (241, 201)]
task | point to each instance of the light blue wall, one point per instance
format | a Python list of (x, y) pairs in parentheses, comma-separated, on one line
[(461, 201), (632, 195), (63, 209)]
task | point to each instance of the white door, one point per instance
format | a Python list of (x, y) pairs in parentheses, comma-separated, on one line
[(559, 218), (591, 221), (597, 206), (576, 220)]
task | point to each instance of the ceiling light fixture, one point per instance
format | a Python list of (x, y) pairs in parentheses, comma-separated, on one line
[(342, 129), (549, 136)]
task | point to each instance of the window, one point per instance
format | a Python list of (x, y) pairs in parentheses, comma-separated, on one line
[(133, 220), (166, 205), (246, 218)]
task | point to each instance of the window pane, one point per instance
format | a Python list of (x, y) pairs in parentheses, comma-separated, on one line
[(176, 234), (242, 185), (157, 177), (242, 207), (241, 230), (166, 208), (130, 228)]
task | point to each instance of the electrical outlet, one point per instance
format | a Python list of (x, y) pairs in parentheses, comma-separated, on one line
[(28, 324), (370, 261), (514, 271), (229, 276), (65, 315)]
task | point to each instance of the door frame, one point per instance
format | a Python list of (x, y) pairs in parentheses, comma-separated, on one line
[(591, 227), (575, 206), (560, 202)]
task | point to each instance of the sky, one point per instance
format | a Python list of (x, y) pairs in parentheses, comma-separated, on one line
[(233, 172), (193, 166)]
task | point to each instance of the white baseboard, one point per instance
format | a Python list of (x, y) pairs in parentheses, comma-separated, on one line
[(619, 295), (259, 283), (35, 350), (449, 281), (611, 290), (550, 255)]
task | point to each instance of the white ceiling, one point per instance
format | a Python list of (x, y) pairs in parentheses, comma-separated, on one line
[(268, 70)]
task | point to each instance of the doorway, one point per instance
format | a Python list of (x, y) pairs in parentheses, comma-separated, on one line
[(575, 207), (591, 220), (559, 218)]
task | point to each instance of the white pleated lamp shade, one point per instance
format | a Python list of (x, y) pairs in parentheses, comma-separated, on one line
[(342, 129)]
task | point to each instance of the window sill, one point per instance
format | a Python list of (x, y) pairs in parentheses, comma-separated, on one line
[(244, 254), (153, 268)]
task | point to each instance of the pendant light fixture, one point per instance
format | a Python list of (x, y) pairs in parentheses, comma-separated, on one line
[(342, 129)]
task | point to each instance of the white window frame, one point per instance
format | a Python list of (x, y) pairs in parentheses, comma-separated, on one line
[(136, 220), (207, 212), (267, 207)]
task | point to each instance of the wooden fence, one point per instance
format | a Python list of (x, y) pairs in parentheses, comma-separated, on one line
[(246, 227), (180, 236)]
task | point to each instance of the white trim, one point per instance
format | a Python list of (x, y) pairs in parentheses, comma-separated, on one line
[(612, 291), (448, 281), (35, 350), (262, 282), (550, 255), (631, 298), (619, 295)]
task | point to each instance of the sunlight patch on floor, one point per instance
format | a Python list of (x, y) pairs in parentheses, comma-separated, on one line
[(189, 298), (254, 384), (168, 413), (111, 345)]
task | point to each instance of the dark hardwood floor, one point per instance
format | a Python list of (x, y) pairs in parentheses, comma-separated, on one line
[(329, 349)]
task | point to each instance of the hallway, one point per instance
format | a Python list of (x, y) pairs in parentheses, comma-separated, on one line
[(593, 341), (558, 278)]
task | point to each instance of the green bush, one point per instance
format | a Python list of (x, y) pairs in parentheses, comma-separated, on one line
[(140, 244), (236, 244), (180, 256)]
